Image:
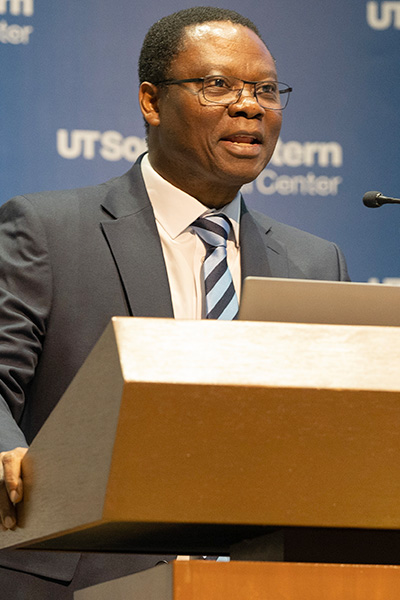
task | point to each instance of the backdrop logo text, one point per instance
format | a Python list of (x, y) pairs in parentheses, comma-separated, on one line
[(16, 7), (383, 15), (113, 146), (13, 33), (110, 145), (295, 154)]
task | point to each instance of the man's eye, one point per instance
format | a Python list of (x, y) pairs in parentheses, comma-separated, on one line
[(218, 82), (268, 89)]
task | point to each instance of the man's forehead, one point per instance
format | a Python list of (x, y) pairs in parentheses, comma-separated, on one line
[(222, 44), (222, 29), (222, 35), (225, 31)]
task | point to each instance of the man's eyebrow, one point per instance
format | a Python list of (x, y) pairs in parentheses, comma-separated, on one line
[(219, 70), (235, 73)]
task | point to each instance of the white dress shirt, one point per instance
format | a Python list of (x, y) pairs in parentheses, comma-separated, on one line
[(183, 250)]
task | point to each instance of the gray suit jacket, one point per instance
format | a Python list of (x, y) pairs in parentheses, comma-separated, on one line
[(70, 260)]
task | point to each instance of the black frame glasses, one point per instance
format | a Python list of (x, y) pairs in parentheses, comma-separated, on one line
[(220, 89)]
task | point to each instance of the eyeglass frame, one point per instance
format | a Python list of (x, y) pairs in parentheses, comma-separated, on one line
[(287, 91)]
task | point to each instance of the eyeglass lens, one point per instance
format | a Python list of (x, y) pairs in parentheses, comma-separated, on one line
[(270, 94)]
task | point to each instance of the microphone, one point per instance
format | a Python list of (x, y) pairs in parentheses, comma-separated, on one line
[(375, 200)]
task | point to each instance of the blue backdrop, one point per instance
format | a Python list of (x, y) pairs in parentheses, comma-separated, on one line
[(69, 113)]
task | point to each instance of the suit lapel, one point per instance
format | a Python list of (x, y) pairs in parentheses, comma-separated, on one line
[(135, 245), (261, 254)]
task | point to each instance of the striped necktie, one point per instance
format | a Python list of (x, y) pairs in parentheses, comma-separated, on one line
[(221, 299)]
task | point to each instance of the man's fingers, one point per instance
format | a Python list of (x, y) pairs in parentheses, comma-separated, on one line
[(16, 494), (8, 521), (11, 487), (7, 511), (11, 463), (12, 476)]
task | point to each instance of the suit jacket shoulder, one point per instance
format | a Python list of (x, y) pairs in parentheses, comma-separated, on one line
[(297, 254)]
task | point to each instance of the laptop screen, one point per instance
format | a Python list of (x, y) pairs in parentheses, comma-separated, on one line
[(324, 302)]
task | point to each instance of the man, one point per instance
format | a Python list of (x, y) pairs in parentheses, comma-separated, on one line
[(134, 245)]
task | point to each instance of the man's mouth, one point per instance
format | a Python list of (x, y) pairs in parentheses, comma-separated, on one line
[(242, 139)]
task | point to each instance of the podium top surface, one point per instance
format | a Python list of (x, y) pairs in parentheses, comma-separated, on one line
[(259, 353)]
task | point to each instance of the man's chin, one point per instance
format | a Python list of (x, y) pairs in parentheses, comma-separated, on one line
[(243, 168), (241, 174)]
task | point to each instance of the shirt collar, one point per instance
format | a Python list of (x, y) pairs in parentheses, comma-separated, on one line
[(175, 210)]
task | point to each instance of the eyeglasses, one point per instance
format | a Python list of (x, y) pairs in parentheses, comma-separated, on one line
[(218, 89)]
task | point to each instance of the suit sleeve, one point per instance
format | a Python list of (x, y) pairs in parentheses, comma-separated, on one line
[(25, 300), (342, 265)]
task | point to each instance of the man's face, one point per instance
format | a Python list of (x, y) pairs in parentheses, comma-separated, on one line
[(206, 148)]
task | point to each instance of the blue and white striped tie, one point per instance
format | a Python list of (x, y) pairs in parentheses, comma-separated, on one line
[(221, 299)]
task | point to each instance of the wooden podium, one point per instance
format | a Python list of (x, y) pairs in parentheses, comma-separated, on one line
[(191, 436), (203, 580)]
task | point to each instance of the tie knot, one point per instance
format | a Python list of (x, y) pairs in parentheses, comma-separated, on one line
[(213, 230)]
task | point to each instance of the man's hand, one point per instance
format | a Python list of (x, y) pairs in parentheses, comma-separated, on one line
[(11, 487)]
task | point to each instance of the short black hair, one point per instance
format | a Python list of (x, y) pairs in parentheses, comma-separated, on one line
[(164, 40)]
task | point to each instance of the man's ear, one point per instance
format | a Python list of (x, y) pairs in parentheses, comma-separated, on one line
[(149, 103)]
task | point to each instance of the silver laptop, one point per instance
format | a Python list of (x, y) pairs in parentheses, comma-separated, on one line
[(325, 302)]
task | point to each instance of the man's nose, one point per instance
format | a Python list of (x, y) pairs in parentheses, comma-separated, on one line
[(247, 103)]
